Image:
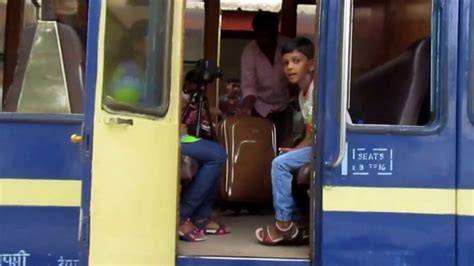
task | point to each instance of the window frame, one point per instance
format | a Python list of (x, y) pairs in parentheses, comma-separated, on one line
[(41, 118), (162, 50), (438, 89)]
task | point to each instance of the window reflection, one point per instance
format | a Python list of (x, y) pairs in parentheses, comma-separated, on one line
[(136, 57)]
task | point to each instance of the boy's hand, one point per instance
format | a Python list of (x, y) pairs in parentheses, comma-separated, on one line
[(215, 112), (247, 105)]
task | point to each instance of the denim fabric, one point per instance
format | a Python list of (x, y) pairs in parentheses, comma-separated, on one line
[(197, 198), (282, 168)]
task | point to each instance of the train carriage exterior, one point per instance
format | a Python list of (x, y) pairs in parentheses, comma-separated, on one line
[(101, 188)]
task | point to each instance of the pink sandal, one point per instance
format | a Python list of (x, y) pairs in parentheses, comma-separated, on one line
[(195, 235), (221, 230)]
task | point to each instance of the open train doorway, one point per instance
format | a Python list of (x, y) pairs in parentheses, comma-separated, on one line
[(233, 31), (375, 24)]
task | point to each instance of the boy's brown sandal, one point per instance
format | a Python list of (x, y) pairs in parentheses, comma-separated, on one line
[(274, 234)]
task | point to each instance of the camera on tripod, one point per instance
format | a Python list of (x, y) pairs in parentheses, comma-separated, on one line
[(204, 72)]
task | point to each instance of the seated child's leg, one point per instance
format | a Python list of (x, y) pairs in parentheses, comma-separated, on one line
[(198, 196), (282, 166), (284, 228)]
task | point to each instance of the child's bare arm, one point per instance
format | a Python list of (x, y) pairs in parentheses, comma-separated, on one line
[(306, 142)]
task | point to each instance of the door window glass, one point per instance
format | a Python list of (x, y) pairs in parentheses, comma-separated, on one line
[(3, 14), (49, 59), (136, 78), (391, 63), (193, 34), (251, 5)]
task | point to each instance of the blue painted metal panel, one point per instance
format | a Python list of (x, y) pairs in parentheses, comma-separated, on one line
[(91, 80), (423, 159), (204, 261), (39, 150), (419, 159), (38, 146), (387, 239), (398, 161), (466, 89), (318, 161), (465, 143), (465, 253), (45, 233)]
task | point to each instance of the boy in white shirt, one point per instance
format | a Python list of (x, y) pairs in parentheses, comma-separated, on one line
[(298, 65)]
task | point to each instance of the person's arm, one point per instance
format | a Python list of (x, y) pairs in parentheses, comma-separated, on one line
[(248, 81), (247, 105), (183, 129), (306, 142)]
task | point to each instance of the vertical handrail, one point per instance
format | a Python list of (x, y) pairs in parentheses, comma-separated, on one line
[(344, 80), (37, 4)]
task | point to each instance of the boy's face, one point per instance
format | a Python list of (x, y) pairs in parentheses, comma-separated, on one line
[(233, 88), (297, 66), (139, 47)]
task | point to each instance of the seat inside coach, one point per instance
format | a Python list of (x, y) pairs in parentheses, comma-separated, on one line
[(48, 78), (397, 92)]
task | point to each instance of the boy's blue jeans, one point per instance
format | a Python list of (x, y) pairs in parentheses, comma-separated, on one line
[(282, 168), (197, 198)]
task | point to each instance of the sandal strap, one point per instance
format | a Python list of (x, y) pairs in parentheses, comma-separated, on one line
[(284, 229), (194, 235), (264, 236), (269, 235), (290, 233), (191, 236), (202, 223), (220, 230)]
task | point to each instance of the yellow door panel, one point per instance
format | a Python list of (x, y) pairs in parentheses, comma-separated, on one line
[(134, 174)]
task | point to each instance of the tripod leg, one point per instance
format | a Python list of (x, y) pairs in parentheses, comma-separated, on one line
[(209, 118), (199, 116), (187, 109)]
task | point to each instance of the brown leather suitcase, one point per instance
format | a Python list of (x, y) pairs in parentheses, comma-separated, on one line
[(250, 144)]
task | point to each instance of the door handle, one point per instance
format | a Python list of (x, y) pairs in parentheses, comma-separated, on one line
[(118, 121), (76, 139), (345, 80)]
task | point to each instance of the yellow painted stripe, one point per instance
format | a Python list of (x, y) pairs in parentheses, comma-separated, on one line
[(391, 200), (29, 192), (465, 202)]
